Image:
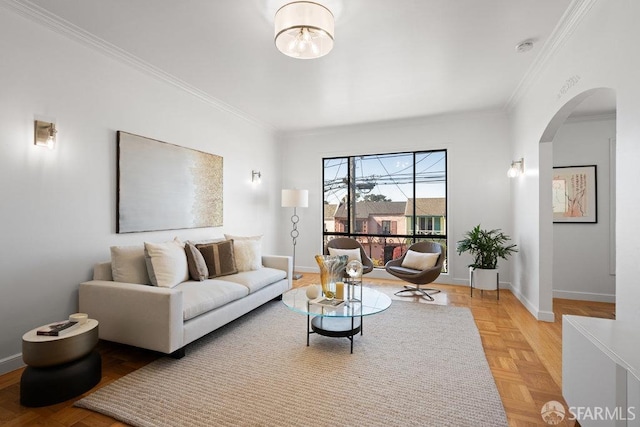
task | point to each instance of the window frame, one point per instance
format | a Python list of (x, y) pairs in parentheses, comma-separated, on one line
[(412, 234)]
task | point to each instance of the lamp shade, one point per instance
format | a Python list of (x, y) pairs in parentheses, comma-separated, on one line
[(304, 30), (295, 198)]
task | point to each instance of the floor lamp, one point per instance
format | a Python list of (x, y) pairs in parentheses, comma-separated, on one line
[(295, 199)]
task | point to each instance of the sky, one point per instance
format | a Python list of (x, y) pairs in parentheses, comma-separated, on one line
[(389, 174)]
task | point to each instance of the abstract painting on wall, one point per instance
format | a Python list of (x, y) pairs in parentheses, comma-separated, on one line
[(163, 186), (574, 194)]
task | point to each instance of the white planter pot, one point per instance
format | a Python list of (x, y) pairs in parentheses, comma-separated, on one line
[(485, 279)]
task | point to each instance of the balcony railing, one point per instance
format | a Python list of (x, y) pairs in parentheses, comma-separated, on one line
[(382, 248)]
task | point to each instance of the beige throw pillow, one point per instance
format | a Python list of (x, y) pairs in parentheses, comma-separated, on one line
[(166, 263), (197, 266), (419, 260), (248, 254), (219, 258), (353, 254), (128, 265), (248, 251)]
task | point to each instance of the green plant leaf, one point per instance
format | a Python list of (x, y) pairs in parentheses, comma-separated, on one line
[(486, 247)]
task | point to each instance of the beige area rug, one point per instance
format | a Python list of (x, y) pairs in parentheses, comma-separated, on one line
[(415, 365)]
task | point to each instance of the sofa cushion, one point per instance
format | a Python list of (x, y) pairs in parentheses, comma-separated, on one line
[(201, 297), (166, 263), (248, 254), (128, 265), (197, 266), (219, 258), (248, 251), (257, 279)]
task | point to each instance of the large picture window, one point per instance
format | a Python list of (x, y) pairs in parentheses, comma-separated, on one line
[(386, 201)]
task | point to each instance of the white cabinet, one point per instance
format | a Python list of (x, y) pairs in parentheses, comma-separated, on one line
[(633, 395), (601, 371)]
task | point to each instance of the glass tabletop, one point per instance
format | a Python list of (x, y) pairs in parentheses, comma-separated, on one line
[(366, 303)]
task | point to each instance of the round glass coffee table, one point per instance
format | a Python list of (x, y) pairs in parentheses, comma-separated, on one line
[(341, 321)]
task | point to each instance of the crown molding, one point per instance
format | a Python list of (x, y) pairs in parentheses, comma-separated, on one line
[(61, 26), (568, 23), (591, 118), (403, 122)]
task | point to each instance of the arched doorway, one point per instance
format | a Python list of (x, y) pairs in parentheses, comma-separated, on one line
[(568, 269)]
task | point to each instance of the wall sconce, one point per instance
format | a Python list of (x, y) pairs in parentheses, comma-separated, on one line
[(256, 177), (44, 134), (516, 169)]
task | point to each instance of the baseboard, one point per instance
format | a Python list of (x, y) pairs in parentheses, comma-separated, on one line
[(544, 316), (460, 282), (307, 270), (584, 296), (465, 282), (11, 363)]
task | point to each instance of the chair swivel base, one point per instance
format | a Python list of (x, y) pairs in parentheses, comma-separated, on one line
[(423, 291)]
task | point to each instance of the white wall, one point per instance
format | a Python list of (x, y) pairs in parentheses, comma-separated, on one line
[(594, 55), (478, 186), (59, 207), (582, 252)]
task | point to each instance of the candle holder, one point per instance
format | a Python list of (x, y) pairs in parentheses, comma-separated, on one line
[(354, 271)]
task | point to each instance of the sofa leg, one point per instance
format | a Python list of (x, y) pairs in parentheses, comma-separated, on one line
[(278, 298), (178, 354)]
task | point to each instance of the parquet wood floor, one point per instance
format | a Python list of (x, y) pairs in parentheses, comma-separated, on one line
[(525, 357)]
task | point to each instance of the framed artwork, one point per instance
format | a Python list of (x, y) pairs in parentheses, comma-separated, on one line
[(163, 186), (574, 194)]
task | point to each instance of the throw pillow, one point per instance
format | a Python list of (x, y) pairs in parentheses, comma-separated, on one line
[(219, 257), (166, 263), (248, 254), (419, 260), (197, 266), (352, 254), (128, 265), (207, 241)]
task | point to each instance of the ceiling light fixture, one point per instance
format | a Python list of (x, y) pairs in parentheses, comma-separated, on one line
[(304, 30)]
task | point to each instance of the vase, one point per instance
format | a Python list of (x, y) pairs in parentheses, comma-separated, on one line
[(485, 279), (330, 272)]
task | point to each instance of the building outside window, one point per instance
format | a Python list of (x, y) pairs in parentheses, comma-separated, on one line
[(430, 214)]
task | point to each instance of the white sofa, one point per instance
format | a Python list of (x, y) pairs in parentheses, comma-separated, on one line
[(167, 319)]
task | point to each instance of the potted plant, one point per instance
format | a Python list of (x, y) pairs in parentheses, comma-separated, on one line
[(486, 247)]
